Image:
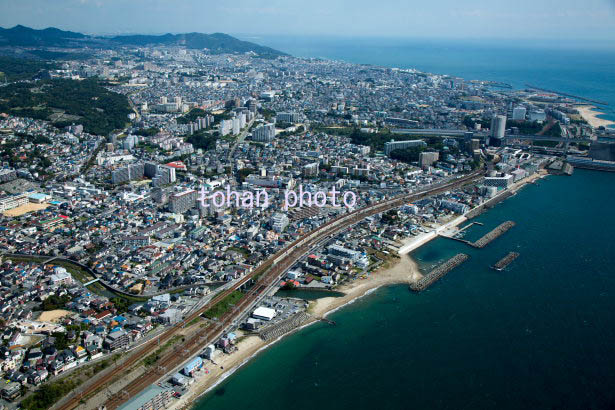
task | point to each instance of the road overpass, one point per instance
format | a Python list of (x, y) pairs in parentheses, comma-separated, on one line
[(452, 133)]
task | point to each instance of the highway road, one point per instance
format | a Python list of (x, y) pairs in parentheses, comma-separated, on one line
[(263, 277)]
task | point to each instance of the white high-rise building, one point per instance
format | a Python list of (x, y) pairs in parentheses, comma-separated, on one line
[(518, 113), (236, 126), (226, 126), (264, 133), (538, 115)]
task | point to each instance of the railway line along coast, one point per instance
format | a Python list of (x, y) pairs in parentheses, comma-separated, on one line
[(255, 285)]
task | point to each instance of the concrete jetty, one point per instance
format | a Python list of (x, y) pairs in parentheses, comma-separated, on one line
[(505, 261), (438, 272), (494, 234)]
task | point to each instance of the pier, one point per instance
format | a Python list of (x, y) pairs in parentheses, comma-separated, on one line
[(438, 272), (469, 225), (505, 261), (496, 233)]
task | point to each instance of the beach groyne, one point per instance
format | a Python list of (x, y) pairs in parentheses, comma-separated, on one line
[(438, 272), (505, 261), (494, 234), (287, 325)]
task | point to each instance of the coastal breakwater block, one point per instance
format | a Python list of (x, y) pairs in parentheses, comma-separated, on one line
[(505, 261), (494, 234), (438, 272), (283, 327)]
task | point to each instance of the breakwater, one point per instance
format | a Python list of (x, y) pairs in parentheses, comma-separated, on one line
[(438, 272), (283, 327), (576, 97), (505, 261), (494, 234)]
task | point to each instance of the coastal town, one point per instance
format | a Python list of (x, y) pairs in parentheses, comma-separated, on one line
[(123, 288)]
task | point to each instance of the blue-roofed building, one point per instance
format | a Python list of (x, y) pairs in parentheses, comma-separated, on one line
[(39, 198), (192, 366)]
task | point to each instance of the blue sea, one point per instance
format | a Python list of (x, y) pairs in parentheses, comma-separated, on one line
[(582, 69), (539, 335)]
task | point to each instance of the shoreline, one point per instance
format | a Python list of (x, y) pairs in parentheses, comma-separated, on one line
[(590, 114), (402, 271)]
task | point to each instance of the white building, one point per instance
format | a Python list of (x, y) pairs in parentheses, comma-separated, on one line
[(13, 201), (60, 277), (279, 222), (393, 145), (538, 115), (518, 113), (500, 182), (264, 313), (264, 133)]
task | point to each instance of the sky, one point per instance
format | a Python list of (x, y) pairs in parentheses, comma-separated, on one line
[(561, 20)]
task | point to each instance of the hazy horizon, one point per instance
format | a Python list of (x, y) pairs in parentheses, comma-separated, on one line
[(544, 20)]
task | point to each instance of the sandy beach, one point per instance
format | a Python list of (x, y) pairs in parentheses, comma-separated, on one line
[(400, 270), (589, 114)]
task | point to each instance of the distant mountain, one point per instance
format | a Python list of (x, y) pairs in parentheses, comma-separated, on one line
[(29, 37), (216, 43), (20, 36)]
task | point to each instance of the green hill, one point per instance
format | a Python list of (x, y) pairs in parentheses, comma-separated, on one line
[(17, 69), (65, 102)]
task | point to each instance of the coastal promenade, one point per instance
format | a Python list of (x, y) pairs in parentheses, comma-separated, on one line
[(259, 282)]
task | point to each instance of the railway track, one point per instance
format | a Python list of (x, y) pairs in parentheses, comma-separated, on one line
[(267, 273)]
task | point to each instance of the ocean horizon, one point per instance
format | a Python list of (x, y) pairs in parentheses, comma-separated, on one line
[(581, 68)]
